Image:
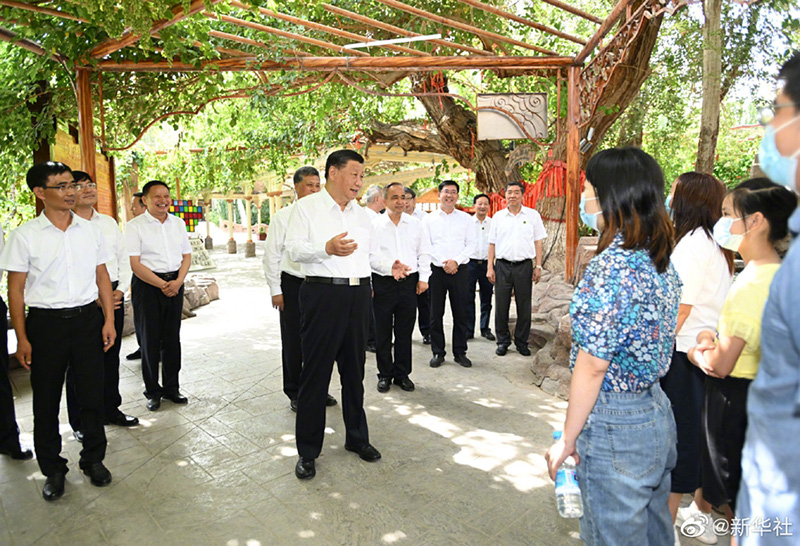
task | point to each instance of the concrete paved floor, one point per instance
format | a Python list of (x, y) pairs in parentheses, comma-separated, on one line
[(462, 455)]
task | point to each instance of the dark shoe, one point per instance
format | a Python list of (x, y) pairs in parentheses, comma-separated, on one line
[(426, 340), (488, 335), (78, 435), (293, 405), (464, 361), (305, 469), (437, 361), (154, 403), (383, 384), (523, 350), (18, 452), (53, 487), (371, 348), (176, 398), (98, 474), (135, 355), (122, 420), (501, 350), (366, 452), (405, 383), (329, 401)]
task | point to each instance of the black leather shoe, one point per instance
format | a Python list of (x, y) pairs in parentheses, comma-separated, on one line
[(405, 383), (305, 469), (371, 348), (426, 340), (383, 384), (154, 403), (523, 350), (463, 360), (78, 435), (293, 405), (135, 355), (501, 350), (488, 335), (53, 487), (176, 398), (122, 420), (437, 361), (98, 474), (366, 452), (329, 401), (17, 452)]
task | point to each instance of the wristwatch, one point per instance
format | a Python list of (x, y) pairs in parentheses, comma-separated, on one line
[(538, 267)]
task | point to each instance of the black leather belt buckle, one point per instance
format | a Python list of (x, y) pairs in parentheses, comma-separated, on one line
[(339, 281)]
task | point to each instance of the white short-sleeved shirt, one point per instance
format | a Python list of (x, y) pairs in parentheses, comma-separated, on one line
[(452, 236), (706, 280), (276, 259), (419, 214), (118, 265), (482, 229), (513, 236), (405, 242), (160, 247), (316, 219), (61, 265)]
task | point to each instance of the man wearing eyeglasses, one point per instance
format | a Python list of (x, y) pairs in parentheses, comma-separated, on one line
[(119, 271), (453, 240), (56, 266)]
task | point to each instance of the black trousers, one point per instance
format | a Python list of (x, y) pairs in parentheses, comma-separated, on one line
[(333, 328), (394, 305), (111, 397), (457, 286), (56, 343), (424, 309), (9, 431), (291, 350), (158, 320), (516, 277), (477, 274)]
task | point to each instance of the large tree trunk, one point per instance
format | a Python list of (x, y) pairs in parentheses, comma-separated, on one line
[(712, 86)]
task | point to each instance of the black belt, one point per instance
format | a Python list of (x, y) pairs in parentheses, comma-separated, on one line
[(460, 267), (167, 276), (509, 262), (410, 277), (114, 285), (284, 274), (67, 312), (344, 281), (478, 261)]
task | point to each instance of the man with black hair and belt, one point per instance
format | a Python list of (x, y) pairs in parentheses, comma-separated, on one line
[(160, 256), (333, 238), (284, 278), (423, 299), (477, 270), (56, 266), (137, 209)]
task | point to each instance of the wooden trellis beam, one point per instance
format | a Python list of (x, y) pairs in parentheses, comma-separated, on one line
[(38, 9), (618, 11), (575, 11), (248, 41)]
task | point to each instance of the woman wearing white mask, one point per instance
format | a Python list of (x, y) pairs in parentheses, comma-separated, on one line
[(753, 220), (706, 272)]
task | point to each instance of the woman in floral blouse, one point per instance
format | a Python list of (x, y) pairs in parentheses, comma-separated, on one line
[(619, 424)]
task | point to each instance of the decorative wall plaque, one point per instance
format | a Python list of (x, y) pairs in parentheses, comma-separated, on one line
[(511, 115)]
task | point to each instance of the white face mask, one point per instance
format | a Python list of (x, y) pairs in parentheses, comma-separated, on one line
[(723, 235), (778, 168)]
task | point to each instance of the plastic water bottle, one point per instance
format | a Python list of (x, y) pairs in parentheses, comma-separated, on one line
[(568, 494)]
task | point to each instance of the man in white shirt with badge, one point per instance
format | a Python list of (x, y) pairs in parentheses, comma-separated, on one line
[(160, 256), (400, 237), (284, 278), (477, 270), (424, 299), (453, 239), (119, 272), (56, 266), (515, 242), (333, 238)]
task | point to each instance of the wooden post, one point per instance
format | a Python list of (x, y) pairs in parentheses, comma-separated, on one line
[(231, 241), (247, 212), (178, 188), (86, 123), (573, 171)]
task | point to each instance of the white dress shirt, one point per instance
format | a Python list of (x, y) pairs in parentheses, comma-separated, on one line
[(513, 235), (61, 265), (405, 242), (452, 236), (372, 214), (482, 230), (318, 218), (160, 247), (118, 264), (276, 259), (419, 214)]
